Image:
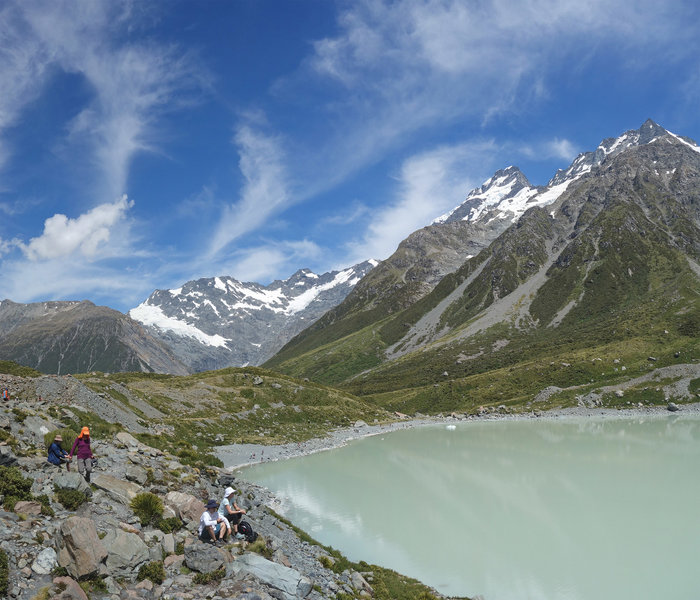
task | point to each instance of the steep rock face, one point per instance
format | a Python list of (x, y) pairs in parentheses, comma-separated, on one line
[(219, 322), (75, 337), (620, 232)]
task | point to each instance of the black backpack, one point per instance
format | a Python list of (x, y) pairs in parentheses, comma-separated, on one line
[(245, 529)]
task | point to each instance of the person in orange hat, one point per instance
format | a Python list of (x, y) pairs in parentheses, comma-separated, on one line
[(84, 453)]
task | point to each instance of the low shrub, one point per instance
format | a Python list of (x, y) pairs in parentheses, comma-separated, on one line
[(70, 499), (148, 508), (45, 505), (14, 487), (4, 574), (66, 433), (169, 525), (153, 571), (213, 577), (261, 547)]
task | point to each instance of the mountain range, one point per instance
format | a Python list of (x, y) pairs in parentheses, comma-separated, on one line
[(518, 279), (599, 261)]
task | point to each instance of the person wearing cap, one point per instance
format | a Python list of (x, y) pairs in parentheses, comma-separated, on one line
[(84, 452), (230, 510), (211, 524), (57, 455)]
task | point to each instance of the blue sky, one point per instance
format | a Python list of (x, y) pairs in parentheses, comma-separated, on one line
[(144, 144)]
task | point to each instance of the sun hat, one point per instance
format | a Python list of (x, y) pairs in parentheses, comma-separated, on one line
[(228, 491), (58, 438), (212, 504), (84, 431)]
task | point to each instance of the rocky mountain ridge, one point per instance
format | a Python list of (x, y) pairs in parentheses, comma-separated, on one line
[(76, 337), (615, 256), (428, 255), (218, 322)]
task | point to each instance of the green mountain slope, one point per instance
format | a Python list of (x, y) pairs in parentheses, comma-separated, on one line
[(609, 271)]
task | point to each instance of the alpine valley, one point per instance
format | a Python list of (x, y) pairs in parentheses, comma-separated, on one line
[(574, 292)]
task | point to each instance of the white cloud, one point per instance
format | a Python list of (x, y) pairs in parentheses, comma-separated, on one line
[(556, 148), (272, 261), (133, 84), (86, 235), (265, 190), (430, 184), (409, 65)]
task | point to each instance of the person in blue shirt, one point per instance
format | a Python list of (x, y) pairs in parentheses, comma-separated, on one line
[(57, 455)]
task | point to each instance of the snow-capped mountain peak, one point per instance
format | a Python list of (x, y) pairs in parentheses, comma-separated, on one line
[(220, 321), (508, 194)]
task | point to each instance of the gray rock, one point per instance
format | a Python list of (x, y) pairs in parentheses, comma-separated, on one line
[(289, 582), (203, 557), (71, 481), (45, 561), (186, 507), (136, 474), (120, 491), (673, 407), (127, 439), (80, 550), (125, 552), (7, 459)]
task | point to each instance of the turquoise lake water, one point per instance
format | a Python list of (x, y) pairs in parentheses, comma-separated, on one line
[(571, 509)]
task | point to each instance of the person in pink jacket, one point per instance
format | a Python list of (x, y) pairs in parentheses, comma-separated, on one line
[(81, 446)]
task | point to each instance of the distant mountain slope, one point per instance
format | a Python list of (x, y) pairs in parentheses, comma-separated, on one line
[(219, 322), (429, 254), (77, 337), (614, 257)]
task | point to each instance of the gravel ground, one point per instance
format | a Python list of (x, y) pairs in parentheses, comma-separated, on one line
[(240, 455)]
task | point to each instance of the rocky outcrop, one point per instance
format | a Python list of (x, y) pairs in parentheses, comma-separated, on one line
[(290, 583), (80, 550)]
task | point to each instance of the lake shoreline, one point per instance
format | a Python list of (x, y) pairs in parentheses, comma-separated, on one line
[(237, 456)]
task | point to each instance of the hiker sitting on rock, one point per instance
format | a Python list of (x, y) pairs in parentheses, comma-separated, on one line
[(212, 524), (230, 510), (82, 443), (57, 455)]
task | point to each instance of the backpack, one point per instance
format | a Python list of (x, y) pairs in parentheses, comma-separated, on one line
[(245, 529)]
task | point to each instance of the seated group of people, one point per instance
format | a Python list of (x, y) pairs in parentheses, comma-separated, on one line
[(219, 521)]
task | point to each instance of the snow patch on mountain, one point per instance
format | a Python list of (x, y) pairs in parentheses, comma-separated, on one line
[(153, 316)]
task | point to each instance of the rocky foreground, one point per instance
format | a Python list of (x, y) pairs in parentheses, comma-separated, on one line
[(102, 549)]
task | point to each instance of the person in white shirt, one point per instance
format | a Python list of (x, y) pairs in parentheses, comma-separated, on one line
[(230, 510), (212, 524)]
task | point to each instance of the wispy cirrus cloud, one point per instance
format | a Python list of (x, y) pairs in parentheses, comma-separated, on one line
[(133, 84), (265, 262), (408, 65), (429, 184), (265, 189)]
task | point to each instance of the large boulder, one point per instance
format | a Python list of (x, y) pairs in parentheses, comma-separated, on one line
[(188, 508), (126, 552), (37, 428), (127, 439), (72, 481), (80, 549), (117, 489), (289, 582), (203, 557), (136, 474)]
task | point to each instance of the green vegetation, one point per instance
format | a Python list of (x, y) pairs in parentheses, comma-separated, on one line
[(4, 574), (14, 487), (148, 508), (70, 499), (213, 577), (153, 571), (260, 547), (9, 367)]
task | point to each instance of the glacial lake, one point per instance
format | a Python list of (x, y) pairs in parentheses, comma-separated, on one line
[(572, 509)]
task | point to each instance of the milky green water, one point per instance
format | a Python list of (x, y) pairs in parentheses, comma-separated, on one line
[(520, 510)]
